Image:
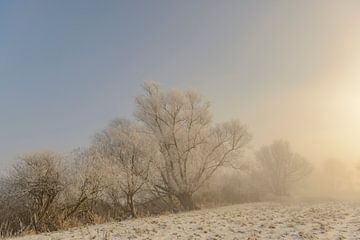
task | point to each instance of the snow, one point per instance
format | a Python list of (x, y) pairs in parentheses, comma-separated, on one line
[(270, 220)]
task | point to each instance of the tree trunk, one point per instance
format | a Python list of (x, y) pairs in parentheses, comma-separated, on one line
[(131, 205), (187, 201)]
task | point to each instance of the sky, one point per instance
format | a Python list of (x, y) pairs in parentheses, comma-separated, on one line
[(287, 69)]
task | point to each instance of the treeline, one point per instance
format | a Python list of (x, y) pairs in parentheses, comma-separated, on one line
[(172, 157)]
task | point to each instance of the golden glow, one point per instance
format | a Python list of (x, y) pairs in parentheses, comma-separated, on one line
[(302, 82)]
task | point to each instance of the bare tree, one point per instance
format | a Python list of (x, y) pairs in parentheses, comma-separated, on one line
[(129, 153), (85, 182), (281, 167), (191, 148), (37, 181)]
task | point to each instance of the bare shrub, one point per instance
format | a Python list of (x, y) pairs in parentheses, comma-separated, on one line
[(31, 192)]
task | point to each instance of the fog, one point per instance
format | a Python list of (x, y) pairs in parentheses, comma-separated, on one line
[(249, 130), (172, 156)]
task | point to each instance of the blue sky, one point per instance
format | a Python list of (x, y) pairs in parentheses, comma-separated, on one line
[(68, 67)]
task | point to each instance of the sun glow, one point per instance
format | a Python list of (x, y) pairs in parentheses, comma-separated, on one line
[(345, 112), (349, 95)]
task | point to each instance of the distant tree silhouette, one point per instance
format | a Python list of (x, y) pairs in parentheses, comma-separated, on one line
[(281, 167)]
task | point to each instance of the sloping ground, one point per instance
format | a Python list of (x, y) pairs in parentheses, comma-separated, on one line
[(329, 220)]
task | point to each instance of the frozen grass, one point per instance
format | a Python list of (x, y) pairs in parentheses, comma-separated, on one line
[(325, 220)]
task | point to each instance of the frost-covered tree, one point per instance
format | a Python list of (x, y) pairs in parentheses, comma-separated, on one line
[(85, 182), (191, 147), (281, 167), (128, 151), (37, 182)]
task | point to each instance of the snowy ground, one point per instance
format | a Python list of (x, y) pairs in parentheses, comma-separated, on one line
[(330, 220)]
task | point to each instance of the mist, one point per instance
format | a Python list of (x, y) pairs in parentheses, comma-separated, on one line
[(172, 156), (179, 120)]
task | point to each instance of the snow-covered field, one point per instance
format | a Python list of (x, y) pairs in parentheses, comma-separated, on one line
[(327, 220)]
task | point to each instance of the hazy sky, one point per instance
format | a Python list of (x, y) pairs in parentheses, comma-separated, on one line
[(288, 69)]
